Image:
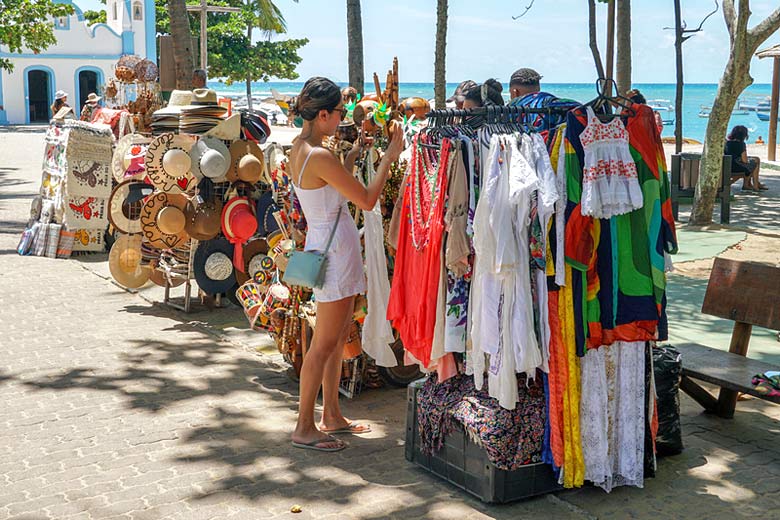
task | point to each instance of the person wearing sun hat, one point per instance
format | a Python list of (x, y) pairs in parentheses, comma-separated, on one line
[(60, 101), (91, 106)]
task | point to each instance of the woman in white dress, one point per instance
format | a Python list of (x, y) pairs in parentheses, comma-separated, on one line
[(323, 186)]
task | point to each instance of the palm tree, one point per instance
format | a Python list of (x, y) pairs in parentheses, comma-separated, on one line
[(439, 69), (266, 16), (355, 45), (623, 68), (182, 43)]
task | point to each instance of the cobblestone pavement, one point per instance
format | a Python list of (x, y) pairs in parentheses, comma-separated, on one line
[(114, 407)]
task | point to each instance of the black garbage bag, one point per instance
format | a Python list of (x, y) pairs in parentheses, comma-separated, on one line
[(667, 368)]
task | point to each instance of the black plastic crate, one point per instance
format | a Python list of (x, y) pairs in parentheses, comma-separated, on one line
[(464, 464)]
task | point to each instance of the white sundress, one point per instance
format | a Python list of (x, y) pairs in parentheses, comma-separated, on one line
[(344, 275), (610, 185)]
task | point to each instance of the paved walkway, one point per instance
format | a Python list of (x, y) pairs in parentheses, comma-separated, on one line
[(114, 407)]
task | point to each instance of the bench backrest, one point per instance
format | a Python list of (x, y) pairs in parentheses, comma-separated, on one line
[(744, 291), (686, 168)]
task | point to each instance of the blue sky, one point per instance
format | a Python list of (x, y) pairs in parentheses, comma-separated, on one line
[(483, 41)]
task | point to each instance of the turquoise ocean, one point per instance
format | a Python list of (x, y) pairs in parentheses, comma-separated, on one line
[(694, 97)]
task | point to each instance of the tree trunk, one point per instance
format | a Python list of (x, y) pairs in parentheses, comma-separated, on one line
[(594, 46), (357, 75), (678, 97), (736, 77), (248, 77), (439, 68), (623, 69), (182, 43)]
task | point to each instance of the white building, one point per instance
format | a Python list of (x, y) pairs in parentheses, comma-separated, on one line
[(79, 63)]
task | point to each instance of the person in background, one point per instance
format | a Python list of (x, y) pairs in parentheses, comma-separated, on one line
[(489, 93), (199, 78), (637, 97), (525, 91), (759, 140), (742, 165), (349, 95), (91, 106), (458, 96), (60, 101)]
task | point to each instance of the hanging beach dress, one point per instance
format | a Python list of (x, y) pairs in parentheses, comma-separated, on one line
[(610, 185)]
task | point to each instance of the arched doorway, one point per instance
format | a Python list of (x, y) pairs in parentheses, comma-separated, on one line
[(87, 81), (39, 95)]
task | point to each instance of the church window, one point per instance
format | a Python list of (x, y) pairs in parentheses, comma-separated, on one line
[(138, 11), (62, 22), (113, 11)]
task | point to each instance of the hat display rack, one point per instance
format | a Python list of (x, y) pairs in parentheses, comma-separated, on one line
[(134, 87), (188, 193)]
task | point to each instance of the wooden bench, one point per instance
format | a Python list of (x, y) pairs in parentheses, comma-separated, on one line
[(749, 294), (685, 175)]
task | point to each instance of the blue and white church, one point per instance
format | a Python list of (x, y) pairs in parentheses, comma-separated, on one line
[(81, 61)]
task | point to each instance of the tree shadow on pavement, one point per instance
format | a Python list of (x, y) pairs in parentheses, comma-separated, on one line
[(243, 409)]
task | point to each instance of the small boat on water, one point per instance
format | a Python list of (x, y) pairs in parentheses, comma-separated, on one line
[(764, 116), (761, 105), (660, 105), (705, 110)]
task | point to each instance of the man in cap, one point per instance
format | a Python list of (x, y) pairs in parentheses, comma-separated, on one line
[(525, 91), (460, 93)]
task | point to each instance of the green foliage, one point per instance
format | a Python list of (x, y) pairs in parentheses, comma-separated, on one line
[(232, 58), (27, 24), (231, 54), (94, 17)]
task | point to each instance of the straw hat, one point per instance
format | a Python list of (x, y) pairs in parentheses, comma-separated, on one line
[(163, 220), (210, 158), (227, 130), (247, 162), (204, 219), (124, 262), (178, 99), (124, 215), (213, 266), (128, 161), (60, 94), (168, 163), (238, 225), (93, 98)]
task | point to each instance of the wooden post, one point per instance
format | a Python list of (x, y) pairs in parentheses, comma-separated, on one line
[(203, 45), (772, 138), (610, 44), (740, 340)]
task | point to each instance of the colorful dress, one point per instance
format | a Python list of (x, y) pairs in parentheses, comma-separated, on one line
[(609, 179)]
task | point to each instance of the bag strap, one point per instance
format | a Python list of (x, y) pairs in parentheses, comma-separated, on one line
[(333, 231)]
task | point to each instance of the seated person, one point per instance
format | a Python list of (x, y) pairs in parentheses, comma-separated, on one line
[(742, 165), (489, 93), (91, 106)]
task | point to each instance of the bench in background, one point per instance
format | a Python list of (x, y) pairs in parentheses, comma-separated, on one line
[(685, 175)]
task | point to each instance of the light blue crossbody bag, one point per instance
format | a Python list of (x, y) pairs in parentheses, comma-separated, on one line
[(307, 268)]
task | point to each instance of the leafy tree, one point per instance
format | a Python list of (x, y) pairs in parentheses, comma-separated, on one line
[(94, 17), (27, 24), (736, 78)]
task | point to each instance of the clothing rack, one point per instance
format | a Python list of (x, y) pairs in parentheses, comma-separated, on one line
[(495, 111)]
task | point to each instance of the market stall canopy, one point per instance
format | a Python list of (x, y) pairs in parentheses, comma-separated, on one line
[(773, 52)]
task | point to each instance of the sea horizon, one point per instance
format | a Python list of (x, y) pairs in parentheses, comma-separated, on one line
[(696, 96)]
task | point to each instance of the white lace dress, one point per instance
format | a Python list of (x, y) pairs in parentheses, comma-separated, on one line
[(610, 185), (612, 414)]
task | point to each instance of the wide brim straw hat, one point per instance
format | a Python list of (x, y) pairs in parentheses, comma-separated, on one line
[(163, 220), (213, 266), (178, 100), (124, 262), (168, 163), (247, 162), (60, 94), (125, 216), (210, 158), (204, 220), (255, 251), (227, 130), (93, 98), (129, 151)]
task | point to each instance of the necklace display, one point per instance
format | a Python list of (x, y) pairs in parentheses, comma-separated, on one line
[(425, 187)]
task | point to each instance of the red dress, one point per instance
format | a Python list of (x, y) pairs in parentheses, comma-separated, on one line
[(413, 295)]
